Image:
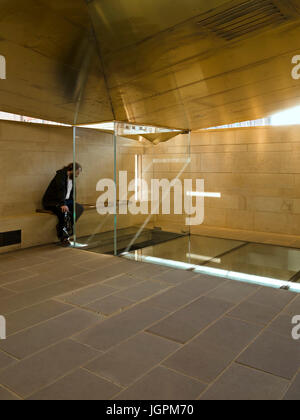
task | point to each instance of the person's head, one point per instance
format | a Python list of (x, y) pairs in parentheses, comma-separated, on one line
[(70, 169)]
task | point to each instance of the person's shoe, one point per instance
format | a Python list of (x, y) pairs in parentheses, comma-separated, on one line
[(65, 243)]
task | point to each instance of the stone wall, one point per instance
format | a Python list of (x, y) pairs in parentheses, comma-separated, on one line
[(257, 171), (30, 155)]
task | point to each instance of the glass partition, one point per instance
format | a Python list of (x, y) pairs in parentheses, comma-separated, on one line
[(131, 188), (94, 151), (149, 180), (144, 199)]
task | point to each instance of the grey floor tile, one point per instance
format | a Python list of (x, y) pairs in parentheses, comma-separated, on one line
[(209, 354), (60, 271), (282, 325), (275, 298), (174, 277), (30, 261), (46, 251), (5, 360), (230, 334), (7, 258), (233, 291), (162, 384), (32, 277), (78, 258), (56, 289), (121, 327), (102, 262), (33, 315), (52, 278), (109, 305), (11, 277), (78, 386), (189, 321), (130, 360), (170, 300), (17, 302), (123, 282), (34, 373), (273, 353), (34, 339), (293, 393), (5, 395), (33, 297), (148, 271), (142, 291), (200, 285), (252, 312), (294, 307), (87, 295), (91, 277), (116, 269), (27, 284), (202, 363), (5, 293), (242, 383), (128, 267), (18, 264)]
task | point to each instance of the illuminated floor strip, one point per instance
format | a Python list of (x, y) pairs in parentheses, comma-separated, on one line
[(231, 275)]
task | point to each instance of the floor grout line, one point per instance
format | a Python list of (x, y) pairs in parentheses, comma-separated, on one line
[(60, 378), (248, 346), (11, 391)]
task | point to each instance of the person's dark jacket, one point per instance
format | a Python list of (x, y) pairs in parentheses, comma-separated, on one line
[(57, 190)]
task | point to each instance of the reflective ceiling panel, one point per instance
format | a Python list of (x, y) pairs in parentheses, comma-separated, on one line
[(53, 66), (198, 65), (179, 64)]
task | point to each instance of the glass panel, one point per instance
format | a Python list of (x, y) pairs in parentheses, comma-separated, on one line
[(263, 260), (94, 151), (128, 188), (144, 216), (191, 249)]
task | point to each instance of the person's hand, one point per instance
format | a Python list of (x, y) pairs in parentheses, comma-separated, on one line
[(65, 209)]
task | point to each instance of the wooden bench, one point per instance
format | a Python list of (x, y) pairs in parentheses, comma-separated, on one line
[(88, 207), (85, 206)]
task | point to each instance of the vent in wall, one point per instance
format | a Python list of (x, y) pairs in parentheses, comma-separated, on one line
[(244, 18), (10, 238)]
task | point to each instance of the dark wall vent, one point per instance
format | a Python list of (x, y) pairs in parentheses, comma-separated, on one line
[(10, 238), (244, 18)]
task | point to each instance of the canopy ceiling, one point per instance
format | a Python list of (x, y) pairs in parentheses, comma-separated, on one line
[(180, 64)]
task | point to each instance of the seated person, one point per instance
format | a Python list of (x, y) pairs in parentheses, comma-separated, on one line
[(59, 199)]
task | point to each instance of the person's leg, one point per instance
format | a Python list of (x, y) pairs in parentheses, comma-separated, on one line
[(70, 204), (79, 209), (61, 221)]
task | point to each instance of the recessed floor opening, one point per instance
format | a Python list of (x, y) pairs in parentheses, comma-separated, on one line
[(271, 265)]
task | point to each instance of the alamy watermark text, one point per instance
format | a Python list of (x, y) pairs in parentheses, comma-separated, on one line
[(2, 328), (156, 198), (296, 68), (2, 67), (296, 329)]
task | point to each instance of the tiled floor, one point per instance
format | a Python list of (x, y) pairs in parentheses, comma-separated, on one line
[(88, 326)]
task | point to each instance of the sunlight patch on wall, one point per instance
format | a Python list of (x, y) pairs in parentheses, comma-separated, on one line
[(289, 117), (5, 116)]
